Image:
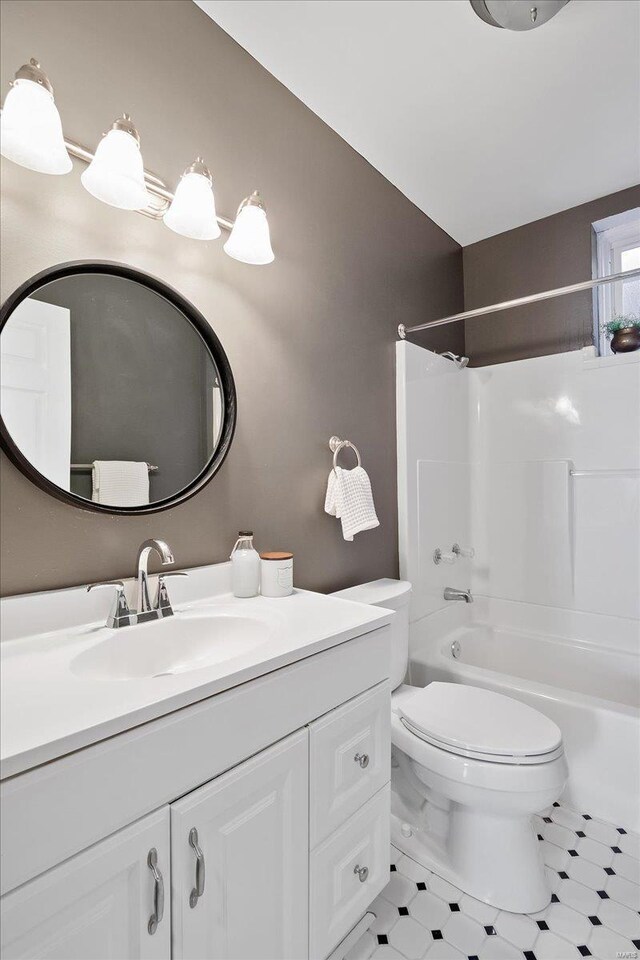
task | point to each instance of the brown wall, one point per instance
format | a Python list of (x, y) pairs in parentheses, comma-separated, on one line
[(310, 338), (549, 253)]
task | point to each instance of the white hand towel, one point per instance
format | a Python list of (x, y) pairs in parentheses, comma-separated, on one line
[(349, 498), (120, 483)]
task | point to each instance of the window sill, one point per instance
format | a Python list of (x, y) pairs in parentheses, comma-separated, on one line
[(592, 361)]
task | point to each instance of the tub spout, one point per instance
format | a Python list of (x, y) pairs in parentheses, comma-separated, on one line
[(452, 593)]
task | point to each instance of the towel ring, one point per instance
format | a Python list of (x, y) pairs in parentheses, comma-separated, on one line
[(336, 444)]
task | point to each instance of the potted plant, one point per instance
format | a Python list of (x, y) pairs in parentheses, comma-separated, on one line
[(624, 333)]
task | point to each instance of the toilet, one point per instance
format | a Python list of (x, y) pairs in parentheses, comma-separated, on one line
[(470, 767)]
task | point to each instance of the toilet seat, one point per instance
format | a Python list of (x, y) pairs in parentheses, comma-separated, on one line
[(480, 724)]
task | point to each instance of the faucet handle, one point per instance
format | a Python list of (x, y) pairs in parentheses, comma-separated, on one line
[(119, 615), (161, 601), (440, 557), (467, 552), (105, 583)]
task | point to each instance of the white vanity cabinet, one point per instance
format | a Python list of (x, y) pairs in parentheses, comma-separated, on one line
[(237, 887), (239, 848), (99, 903), (267, 806)]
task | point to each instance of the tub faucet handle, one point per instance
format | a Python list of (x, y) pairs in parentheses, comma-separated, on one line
[(467, 552), (440, 557)]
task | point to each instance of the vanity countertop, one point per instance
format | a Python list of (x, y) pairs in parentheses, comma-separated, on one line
[(52, 705)]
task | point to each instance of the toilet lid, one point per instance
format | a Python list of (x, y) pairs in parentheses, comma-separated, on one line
[(479, 723)]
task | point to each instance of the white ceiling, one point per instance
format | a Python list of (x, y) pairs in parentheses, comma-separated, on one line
[(483, 129)]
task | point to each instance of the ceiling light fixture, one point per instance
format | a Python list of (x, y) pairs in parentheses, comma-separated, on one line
[(30, 128), (193, 210), (250, 241), (517, 14)]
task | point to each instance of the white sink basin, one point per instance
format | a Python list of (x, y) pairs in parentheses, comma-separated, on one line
[(172, 646)]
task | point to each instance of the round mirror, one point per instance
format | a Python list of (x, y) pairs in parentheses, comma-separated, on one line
[(115, 393)]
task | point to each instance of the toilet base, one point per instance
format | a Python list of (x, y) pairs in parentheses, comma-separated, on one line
[(530, 893), (495, 859)]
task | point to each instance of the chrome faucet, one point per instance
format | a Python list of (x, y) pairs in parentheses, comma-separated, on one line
[(452, 593), (164, 552), (120, 614)]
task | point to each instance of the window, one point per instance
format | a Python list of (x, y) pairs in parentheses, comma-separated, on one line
[(617, 248)]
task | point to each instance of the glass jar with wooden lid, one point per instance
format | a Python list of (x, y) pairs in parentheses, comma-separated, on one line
[(276, 569)]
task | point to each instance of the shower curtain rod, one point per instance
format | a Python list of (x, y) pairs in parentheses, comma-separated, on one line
[(520, 302)]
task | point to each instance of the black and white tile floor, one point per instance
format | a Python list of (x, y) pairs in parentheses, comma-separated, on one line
[(594, 873)]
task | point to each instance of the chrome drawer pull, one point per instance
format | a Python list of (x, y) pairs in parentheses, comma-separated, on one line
[(362, 872), (158, 892), (362, 759), (198, 890)]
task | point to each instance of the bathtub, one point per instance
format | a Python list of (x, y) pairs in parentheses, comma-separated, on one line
[(588, 683)]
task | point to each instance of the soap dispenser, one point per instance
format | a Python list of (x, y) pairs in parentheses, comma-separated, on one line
[(245, 566)]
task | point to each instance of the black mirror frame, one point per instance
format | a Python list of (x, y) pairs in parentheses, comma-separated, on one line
[(212, 344)]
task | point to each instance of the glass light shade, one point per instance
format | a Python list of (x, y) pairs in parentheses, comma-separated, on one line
[(31, 130), (250, 241), (193, 211), (116, 173)]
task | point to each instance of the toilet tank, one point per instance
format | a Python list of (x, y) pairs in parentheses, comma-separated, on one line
[(394, 595)]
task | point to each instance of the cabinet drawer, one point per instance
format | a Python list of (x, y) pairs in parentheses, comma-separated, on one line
[(347, 872), (350, 759)]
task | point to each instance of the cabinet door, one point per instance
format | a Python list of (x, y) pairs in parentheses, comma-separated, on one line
[(252, 836), (98, 904)]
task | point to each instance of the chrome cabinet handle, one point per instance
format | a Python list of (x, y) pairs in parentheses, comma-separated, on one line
[(158, 892), (362, 759), (198, 890), (361, 872)]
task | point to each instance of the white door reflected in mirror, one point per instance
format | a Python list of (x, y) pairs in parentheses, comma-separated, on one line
[(36, 386)]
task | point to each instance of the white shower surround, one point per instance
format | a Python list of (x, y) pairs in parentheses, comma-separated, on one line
[(486, 458)]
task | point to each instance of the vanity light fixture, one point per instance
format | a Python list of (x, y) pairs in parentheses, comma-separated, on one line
[(32, 136), (250, 241), (193, 210), (116, 173), (30, 128)]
